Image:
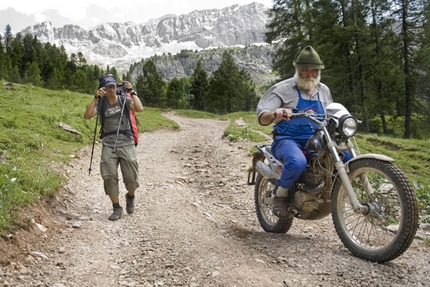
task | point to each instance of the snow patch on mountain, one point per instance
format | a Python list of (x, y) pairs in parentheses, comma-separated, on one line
[(122, 44)]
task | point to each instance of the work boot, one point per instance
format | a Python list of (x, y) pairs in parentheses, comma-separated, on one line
[(280, 207), (281, 191), (129, 207), (280, 202), (117, 213)]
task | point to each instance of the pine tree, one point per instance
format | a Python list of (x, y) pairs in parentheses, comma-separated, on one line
[(230, 89), (3, 59), (16, 54), (422, 66), (8, 37), (199, 87), (151, 85), (175, 92), (289, 30), (411, 17), (32, 75), (56, 79), (14, 75), (248, 91), (222, 88), (79, 82)]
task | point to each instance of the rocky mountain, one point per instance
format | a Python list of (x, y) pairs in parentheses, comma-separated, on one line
[(255, 59), (122, 44)]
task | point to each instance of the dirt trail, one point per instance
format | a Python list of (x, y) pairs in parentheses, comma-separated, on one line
[(194, 225)]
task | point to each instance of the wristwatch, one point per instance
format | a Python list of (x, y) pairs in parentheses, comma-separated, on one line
[(133, 93)]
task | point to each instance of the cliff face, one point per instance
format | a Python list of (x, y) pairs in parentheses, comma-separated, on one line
[(255, 59), (121, 44)]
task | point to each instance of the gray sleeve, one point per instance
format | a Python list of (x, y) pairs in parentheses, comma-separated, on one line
[(128, 101), (326, 97), (281, 95), (268, 102)]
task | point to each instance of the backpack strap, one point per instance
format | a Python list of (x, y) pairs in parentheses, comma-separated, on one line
[(101, 109)]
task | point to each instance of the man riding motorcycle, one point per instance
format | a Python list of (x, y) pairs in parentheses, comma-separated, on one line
[(367, 195), (302, 92)]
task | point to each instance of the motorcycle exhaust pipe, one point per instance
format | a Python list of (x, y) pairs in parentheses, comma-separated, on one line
[(265, 170)]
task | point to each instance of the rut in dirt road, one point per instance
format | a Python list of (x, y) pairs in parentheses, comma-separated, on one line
[(194, 225)]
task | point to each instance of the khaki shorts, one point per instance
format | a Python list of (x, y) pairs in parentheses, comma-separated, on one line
[(126, 158)]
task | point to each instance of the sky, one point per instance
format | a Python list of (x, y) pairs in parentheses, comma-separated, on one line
[(89, 13)]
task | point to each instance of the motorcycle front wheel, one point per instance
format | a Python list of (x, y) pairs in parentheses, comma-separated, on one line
[(388, 228), (263, 197)]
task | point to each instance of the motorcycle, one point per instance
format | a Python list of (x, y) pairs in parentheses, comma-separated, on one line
[(373, 206)]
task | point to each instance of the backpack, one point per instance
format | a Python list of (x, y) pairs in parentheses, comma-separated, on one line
[(122, 94)]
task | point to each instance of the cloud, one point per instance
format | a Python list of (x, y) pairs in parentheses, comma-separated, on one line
[(54, 17), (19, 21), (16, 20)]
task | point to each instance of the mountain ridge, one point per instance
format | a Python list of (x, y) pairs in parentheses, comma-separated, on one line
[(209, 32), (115, 44)]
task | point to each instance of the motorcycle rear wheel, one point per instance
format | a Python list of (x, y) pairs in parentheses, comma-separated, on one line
[(263, 192), (388, 229)]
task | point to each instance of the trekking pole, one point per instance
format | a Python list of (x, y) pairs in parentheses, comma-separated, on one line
[(94, 140), (119, 124)]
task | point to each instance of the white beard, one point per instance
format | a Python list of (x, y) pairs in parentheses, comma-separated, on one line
[(307, 84)]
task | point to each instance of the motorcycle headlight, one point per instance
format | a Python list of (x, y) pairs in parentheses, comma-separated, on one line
[(348, 125)]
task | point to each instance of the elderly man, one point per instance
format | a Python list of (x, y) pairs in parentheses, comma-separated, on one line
[(302, 92)]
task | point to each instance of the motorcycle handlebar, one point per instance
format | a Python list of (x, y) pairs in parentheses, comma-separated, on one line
[(310, 115), (294, 115), (298, 115)]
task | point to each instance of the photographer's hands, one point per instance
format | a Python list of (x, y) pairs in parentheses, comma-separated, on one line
[(128, 86), (99, 93), (91, 110)]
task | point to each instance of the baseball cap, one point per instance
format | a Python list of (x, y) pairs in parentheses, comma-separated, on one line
[(107, 80)]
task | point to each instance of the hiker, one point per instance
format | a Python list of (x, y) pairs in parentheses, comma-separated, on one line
[(118, 144)]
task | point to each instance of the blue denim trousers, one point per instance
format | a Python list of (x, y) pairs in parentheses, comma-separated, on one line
[(290, 152)]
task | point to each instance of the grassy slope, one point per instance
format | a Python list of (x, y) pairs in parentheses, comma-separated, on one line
[(36, 145)]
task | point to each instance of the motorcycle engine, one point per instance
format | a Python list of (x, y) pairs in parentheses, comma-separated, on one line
[(310, 198), (313, 179)]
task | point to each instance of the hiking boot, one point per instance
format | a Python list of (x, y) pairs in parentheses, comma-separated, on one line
[(129, 207), (281, 191), (117, 213), (280, 207)]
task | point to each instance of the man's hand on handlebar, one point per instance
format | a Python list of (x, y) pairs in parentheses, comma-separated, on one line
[(282, 113)]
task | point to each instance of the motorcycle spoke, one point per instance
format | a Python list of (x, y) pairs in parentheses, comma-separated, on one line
[(263, 197), (372, 230), (265, 208)]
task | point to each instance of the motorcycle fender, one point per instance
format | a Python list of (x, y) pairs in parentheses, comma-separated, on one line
[(257, 156), (372, 156)]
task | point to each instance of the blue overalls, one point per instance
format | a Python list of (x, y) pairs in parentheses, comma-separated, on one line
[(290, 136)]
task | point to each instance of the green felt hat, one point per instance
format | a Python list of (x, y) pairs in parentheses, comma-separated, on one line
[(308, 59)]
